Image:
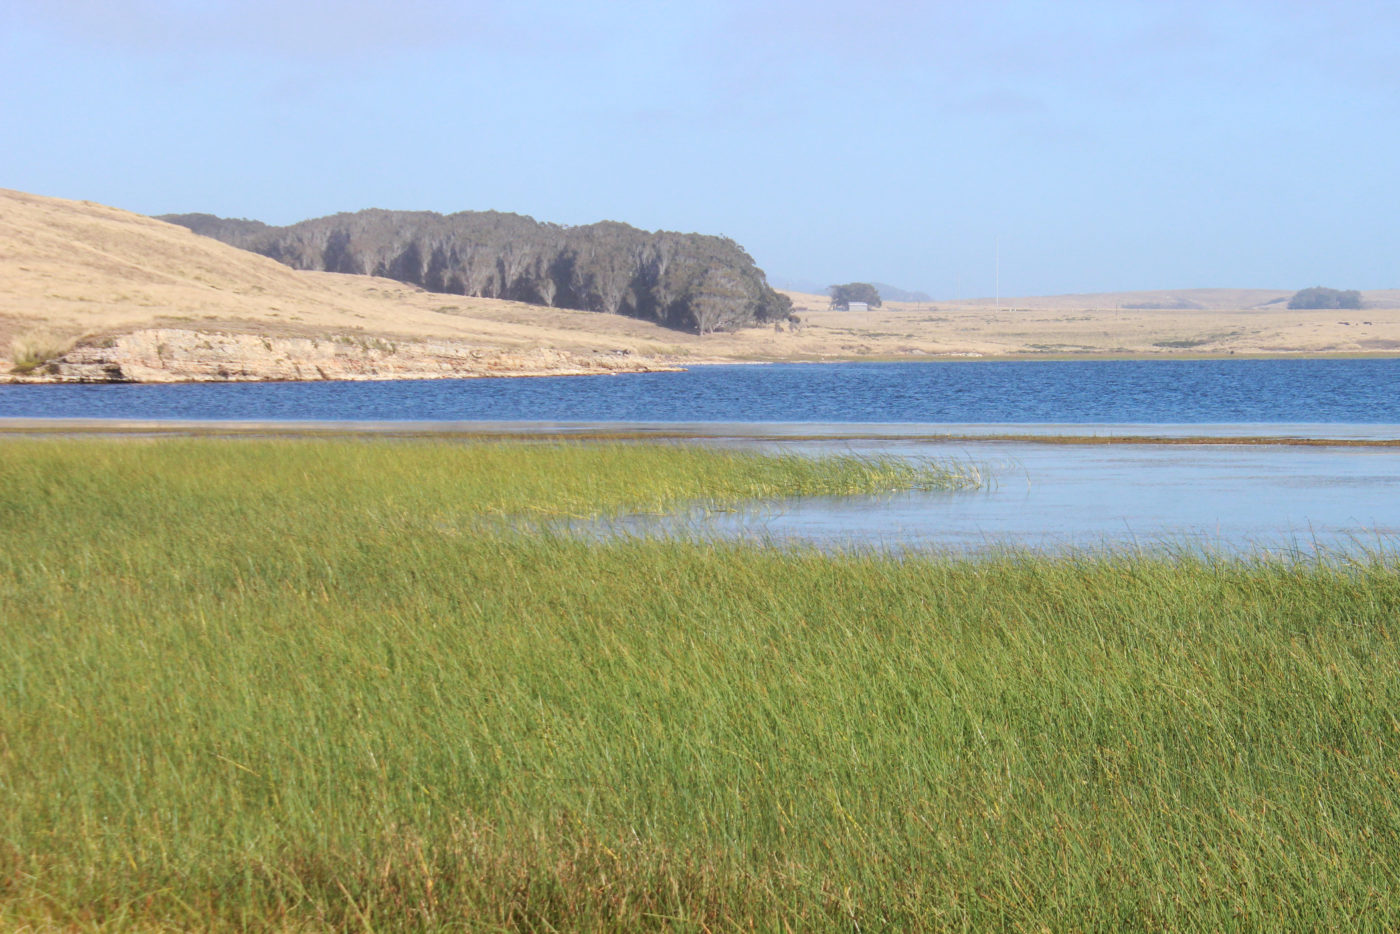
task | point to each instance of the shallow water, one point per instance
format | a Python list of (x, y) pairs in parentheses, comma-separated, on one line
[(1236, 499), (1287, 491), (1042, 495)]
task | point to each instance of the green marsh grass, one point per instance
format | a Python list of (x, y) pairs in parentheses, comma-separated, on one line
[(323, 686)]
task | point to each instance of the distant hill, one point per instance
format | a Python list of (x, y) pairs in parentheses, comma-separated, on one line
[(891, 293), (94, 293), (690, 282), (1155, 300)]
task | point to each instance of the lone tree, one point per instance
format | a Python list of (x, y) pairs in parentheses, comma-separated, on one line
[(843, 295), (1319, 297)]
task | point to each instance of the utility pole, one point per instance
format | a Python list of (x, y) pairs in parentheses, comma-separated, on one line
[(998, 267)]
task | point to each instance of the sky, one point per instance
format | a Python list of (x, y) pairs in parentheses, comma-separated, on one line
[(960, 148)]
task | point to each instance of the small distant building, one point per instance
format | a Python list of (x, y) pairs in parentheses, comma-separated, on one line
[(857, 306)]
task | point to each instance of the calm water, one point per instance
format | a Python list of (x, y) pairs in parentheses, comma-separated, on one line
[(1217, 498), (1155, 391), (1232, 498)]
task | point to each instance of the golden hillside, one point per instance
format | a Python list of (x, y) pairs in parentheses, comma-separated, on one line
[(78, 274), (93, 292)]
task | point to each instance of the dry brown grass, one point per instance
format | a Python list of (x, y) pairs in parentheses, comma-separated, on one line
[(30, 352), (83, 273), (1229, 322)]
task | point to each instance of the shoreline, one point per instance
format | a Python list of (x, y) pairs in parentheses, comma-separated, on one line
[(159, 303), (1089, 434), (620, 365)]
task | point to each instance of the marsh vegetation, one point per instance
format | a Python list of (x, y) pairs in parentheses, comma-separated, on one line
[(338, 685)]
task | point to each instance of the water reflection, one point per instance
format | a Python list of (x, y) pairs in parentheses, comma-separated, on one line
[(1220, 498)]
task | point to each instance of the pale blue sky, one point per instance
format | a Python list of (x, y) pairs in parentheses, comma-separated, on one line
[(1104, 145)]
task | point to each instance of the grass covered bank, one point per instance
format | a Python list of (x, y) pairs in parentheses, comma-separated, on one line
[(303, 685)]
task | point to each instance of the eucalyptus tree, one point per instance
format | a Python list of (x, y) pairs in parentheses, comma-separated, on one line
[(688, 281)]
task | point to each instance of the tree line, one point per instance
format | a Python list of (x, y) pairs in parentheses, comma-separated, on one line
[(843, 295), (1320, 297), (690, 282)]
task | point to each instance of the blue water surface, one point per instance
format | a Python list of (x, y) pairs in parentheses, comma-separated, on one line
[(1111, 391)]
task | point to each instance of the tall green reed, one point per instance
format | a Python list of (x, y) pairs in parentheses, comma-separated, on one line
[(286, 685)]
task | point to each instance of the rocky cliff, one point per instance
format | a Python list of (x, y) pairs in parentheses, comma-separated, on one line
[(689, 282)]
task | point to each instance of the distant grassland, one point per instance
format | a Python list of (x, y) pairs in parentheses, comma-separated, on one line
[(321, 685)]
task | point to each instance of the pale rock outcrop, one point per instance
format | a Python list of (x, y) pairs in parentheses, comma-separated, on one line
[(167, 355)]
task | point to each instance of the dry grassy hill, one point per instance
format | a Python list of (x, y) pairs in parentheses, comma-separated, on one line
[(93, 292), (86, 287)]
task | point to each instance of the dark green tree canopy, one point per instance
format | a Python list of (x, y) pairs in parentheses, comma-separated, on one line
[(685, 281), (843, 295), (1319, 297)]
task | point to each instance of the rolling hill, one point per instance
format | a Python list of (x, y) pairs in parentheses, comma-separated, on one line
[(89, 292)]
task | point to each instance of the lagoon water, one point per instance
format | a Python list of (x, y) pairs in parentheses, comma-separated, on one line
[(1113, 391), (1233, 498)]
